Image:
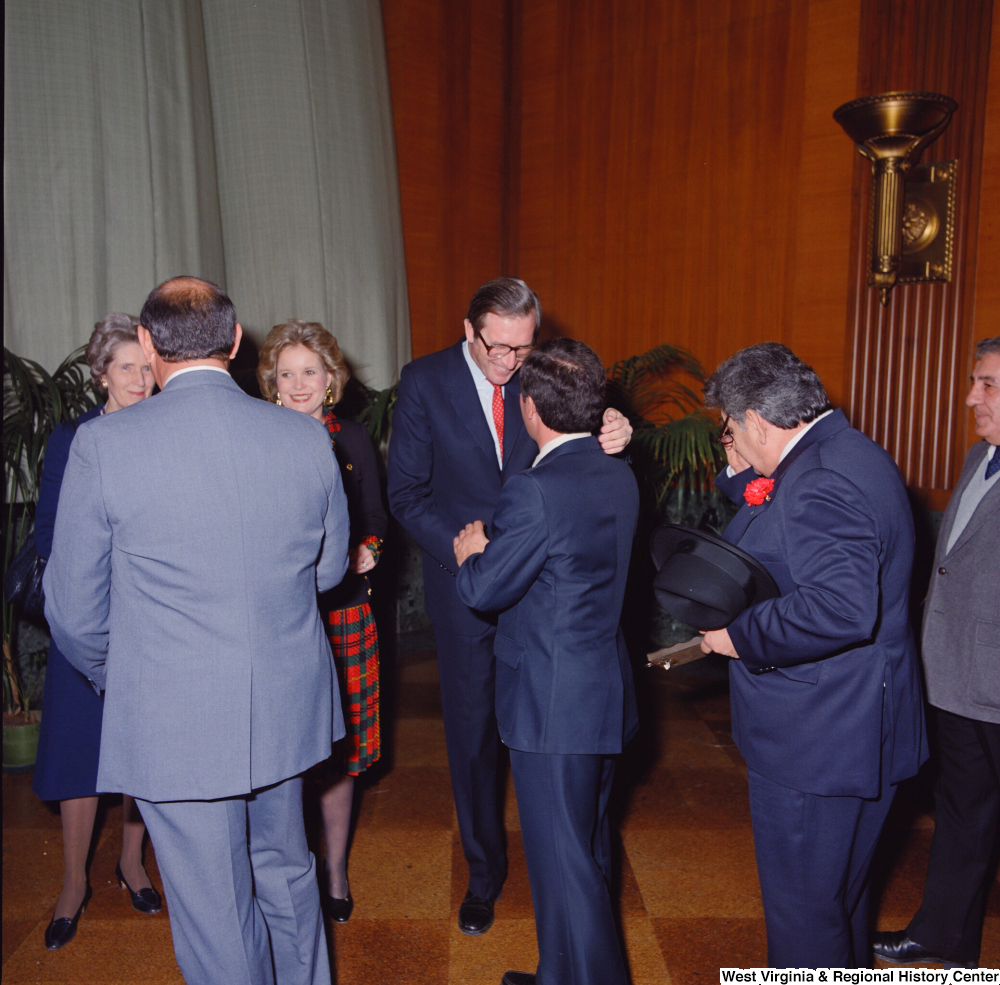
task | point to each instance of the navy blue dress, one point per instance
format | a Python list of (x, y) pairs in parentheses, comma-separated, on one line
[(70, 740)]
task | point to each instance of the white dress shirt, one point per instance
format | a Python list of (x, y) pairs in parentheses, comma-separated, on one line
[(556, 442), (485, 390)]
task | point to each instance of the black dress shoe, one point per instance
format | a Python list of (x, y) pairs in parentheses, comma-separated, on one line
[(475, 915), (337, 910), (896, 948), (146, 900), (60, 932), (518, 978)]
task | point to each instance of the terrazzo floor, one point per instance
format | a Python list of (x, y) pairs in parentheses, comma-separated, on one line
[(689, 900)]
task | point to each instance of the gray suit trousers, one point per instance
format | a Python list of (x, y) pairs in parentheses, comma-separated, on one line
[(241, 888)]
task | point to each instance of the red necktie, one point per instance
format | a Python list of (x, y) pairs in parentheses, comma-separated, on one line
[(498, 415)]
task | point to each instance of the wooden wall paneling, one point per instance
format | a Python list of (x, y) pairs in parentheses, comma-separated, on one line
[(660, 192), (986, 301), (906, 364), (511, 176), (658, 170), (823, 228), (538, 44), (446, 74)]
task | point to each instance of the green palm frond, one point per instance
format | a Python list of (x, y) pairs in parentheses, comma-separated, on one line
[(673, 444), (34, 402), (645, 385), (376, 415)]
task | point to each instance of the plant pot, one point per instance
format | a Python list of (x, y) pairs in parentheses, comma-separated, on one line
[(20, 744)]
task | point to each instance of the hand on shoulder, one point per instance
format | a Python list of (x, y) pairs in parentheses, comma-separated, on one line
[(616, 432)]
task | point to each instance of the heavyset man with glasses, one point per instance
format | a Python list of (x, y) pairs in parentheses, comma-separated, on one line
[(457, 436), (823, 681)]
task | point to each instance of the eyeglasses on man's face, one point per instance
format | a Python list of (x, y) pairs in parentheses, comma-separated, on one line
[(725, 436), (501, 351)]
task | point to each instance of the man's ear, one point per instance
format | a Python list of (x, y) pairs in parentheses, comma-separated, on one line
[(470, 332), (146, 344), (528, 409), (759, 426), (236, 342)]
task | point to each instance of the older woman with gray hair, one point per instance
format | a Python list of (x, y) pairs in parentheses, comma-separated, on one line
[(70, 740)]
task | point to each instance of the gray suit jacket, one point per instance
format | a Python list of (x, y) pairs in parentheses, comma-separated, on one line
[(193, 531), (961, 637)]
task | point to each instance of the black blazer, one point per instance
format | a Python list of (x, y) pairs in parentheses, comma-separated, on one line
[(359, 470)]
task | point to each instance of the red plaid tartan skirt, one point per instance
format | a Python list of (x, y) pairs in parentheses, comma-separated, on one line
[(354, 641)]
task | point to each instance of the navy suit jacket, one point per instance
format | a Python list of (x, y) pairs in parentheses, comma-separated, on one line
[(829, 668), (556, 566), (54, 465), (443, 471)]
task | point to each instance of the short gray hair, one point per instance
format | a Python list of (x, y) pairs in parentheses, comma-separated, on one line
[(770, 379), (987, 346), (109, 333)]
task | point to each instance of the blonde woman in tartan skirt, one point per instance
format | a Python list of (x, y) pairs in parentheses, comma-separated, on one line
[(301, 367)]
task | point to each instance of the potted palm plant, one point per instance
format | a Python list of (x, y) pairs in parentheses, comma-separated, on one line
[(676, 457), (674, 448), (34, 402)]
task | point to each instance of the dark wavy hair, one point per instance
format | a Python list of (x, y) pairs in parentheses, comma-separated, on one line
[(770, 379), (566, 380), (189, 318)]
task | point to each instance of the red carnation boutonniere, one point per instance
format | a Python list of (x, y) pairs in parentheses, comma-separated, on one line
[(758, 490)]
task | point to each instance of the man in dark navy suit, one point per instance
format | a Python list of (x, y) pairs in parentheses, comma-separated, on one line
[(824, 681), (457, 437), (555, 568)]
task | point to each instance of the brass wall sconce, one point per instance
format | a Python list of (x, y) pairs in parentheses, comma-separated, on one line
[(891, 130)]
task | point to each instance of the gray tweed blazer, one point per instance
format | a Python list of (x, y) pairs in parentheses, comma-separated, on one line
[(961, 634)]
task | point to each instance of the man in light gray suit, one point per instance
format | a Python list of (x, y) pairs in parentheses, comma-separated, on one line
[(190, 541), (961, 653)]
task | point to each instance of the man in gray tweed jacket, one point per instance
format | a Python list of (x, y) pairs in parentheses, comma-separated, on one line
[(961, 653)]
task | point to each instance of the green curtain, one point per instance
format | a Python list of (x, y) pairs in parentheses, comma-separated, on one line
[(246, 141)]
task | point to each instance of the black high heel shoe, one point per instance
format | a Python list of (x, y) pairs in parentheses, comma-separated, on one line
[(60, 932), (146, 900), (337, 910)]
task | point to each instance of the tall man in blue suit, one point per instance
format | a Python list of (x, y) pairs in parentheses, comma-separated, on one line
[(457, 437), (555, 568), (192, 535), (824, 681)]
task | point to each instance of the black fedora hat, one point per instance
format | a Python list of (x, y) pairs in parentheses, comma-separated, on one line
[(703, 580)]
